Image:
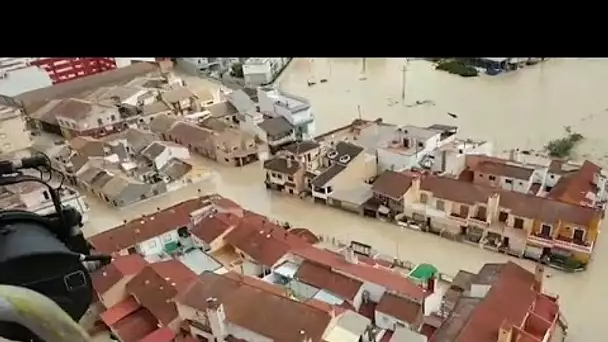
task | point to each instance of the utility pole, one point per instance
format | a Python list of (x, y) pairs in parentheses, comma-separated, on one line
[(403, 71)]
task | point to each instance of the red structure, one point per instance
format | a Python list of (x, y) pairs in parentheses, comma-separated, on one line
[(66, 69)]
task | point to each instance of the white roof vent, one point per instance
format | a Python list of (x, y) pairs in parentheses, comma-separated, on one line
[(332, 154), (344, 158)]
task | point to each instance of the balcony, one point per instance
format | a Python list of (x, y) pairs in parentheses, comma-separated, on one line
[(541, 240), (461, 219), (479, 222), (574, 245)]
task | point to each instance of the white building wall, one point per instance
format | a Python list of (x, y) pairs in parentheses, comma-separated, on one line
[(245, 334), (389, 160), (517, 185), (389, 322), (251, 268), (155, 245), (23, 80)]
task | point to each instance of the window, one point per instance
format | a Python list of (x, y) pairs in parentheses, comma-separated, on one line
[(503, 216), (290, 178), (46, 195), (509, 181), (100, 121), (424, 198), (113, 117), (518, 223), (492, 177), (440, 205), (521, 183), (330, 189), (579, 235), (481, 175), (545, 230)]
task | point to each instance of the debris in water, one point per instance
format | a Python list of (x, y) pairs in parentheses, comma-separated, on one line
[(526, 152), (323, 80), (421, 103), (453, 115), (310, 83)]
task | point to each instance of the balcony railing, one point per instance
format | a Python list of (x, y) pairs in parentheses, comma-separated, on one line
[(574, 246), (458, 217), (541, 241)]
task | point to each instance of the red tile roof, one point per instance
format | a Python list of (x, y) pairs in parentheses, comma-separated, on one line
[(508, 300), (573, 188), (324, 278), (213, 226), (305, 234), (401, 308), (156, 286), (160, 335), (144, 228), (388, 279), (119, 311), (262, 240), (266, 313), (501, 168), (121, 266), (392, 184), (135, 326), (524, 205)]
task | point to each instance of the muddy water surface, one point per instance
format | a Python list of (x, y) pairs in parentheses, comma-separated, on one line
[(522, 109)]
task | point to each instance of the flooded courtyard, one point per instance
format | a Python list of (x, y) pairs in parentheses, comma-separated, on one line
[(523, 109)]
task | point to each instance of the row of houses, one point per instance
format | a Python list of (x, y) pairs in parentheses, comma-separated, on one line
[(124, 168), (427, 179), (98, 111), (278, 284), (245, 127)]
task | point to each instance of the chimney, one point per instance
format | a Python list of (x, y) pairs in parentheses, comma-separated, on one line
[(413, 195), (505, 333), (350, 255), (217, 319), (539, 274), (493, 208)]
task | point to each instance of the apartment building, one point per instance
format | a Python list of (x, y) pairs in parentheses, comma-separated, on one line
[(512, 222), (295, 109), (211, 138), (263, 71)]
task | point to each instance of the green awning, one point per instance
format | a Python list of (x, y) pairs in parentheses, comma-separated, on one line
[(171, 247), (424, 272)]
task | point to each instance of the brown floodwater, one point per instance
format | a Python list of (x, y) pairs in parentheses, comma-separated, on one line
[(523, 109)]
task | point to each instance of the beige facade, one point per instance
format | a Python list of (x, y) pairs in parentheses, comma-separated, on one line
[(360, 169), (14, 135), (285, 174)]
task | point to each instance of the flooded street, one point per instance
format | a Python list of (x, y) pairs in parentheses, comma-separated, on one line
[(524, 109)]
